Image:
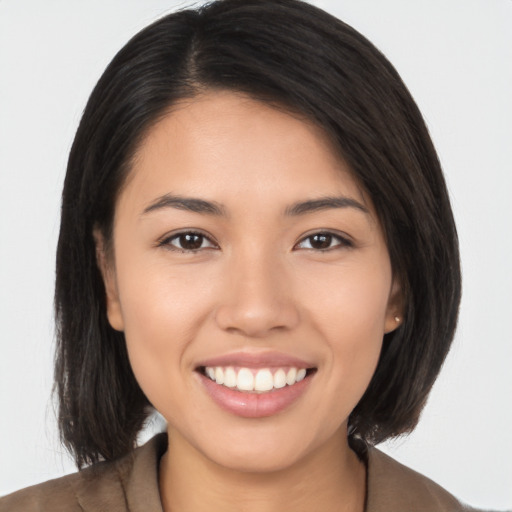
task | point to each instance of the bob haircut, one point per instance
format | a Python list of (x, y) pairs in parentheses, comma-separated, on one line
[(298, 58)]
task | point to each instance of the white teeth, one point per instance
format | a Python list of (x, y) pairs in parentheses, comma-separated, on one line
[(279, 379), (219, 375), (300, 375), (230, 377), (263, 381), (259, 381), (290, 376), (245, 380)]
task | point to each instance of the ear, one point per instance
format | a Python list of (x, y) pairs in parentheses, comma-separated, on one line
[(395, 308), (106, 265)]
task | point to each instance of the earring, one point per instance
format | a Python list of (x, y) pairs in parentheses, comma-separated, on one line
[(397, 319)]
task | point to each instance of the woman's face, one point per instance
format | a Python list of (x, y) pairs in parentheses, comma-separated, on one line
[(245, 255)]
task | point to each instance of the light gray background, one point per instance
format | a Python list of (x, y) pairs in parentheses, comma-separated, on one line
[(455, 56)]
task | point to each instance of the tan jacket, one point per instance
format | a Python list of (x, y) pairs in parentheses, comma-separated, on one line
[(131, 484)]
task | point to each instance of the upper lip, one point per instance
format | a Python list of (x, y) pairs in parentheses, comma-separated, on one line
[(256, 360)]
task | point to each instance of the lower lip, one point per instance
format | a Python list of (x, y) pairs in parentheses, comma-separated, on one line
[(254, 405)]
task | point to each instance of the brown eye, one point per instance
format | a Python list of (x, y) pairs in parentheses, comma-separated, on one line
[(321, 241), (188, 242), (324, 242)]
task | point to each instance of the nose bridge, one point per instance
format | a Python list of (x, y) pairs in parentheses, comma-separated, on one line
[(257, 297)]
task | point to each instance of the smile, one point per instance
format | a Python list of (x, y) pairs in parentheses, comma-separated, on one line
[(256, 385), (255, 380)]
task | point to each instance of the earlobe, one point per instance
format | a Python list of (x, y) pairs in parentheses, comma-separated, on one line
[(392, 323), (394, 313), (107, 270)]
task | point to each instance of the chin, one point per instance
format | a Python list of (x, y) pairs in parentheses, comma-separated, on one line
[(264, 450), (258, 459)]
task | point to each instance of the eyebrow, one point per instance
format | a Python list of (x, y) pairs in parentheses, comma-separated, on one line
[(196, 205), (189, 204), (324, 203)]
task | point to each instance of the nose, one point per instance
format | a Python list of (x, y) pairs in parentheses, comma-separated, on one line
[(257, 298)]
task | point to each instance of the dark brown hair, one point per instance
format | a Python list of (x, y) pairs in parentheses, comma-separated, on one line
[(291, 54)]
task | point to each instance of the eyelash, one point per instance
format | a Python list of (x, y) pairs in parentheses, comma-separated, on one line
[(167, 242), (343, 242)]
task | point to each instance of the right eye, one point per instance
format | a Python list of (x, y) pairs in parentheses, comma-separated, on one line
[(187, 241)]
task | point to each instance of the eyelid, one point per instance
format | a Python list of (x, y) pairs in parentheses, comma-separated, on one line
[(344, 239), (165, 240)]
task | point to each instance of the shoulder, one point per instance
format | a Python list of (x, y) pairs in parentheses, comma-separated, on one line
[(99, 483), (393, 487), (57, 495), (129, 483)]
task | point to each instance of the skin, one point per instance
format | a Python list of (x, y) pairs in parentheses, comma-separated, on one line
[(257, 283)]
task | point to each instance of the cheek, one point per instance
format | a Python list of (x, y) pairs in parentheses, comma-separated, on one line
[(350, 315), (349, 300), (162, 312)]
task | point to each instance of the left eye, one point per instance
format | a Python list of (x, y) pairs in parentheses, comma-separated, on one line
[(188, 242), (323, 242)]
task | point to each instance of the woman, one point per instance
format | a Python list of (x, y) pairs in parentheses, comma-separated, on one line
[(252, 242)]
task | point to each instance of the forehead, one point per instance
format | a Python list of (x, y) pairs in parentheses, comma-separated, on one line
[(230, 146)]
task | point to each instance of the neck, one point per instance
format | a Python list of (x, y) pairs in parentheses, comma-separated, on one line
[(330, 479)]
